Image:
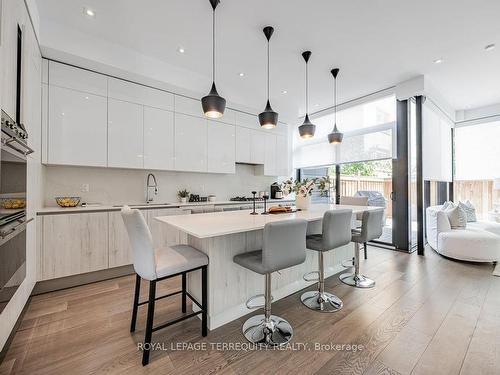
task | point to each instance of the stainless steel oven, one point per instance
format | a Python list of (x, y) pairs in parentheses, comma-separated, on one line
[(13, 181)]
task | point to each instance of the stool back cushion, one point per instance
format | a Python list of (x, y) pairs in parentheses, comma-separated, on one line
[(336, 228), (284, 244), (143, 253), (371, 225)]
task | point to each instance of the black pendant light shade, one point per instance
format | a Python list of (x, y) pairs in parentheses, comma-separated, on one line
[(335, 137), (268, 119), (213, 104), (307, 129)]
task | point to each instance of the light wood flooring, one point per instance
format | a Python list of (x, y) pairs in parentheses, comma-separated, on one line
[(426, 315)]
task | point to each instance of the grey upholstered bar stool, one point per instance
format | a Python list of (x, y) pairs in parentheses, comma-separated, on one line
[(356, 201), (371, 228), (336, 232), (160, 264), (284, 245)]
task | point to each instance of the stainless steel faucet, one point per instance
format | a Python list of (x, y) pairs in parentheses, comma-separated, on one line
[(151, 189)]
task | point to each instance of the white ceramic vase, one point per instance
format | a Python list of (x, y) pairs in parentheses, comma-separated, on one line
[(183, 200), (303, 203)]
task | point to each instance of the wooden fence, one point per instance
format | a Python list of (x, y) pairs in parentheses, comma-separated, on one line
[(479, 192)]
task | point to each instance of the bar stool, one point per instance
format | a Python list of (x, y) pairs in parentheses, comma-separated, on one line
[(160, 264), (336, 232), (284, 245), (371, 228), (356, 201)]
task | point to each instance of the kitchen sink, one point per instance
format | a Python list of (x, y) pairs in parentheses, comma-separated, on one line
[(142, 204)]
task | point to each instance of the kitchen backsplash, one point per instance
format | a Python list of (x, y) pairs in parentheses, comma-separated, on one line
[(118, 186)]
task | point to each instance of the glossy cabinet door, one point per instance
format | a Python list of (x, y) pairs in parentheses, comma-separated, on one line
[(158, 139), (125, 134), (190, 143), (257, 147), (247, 120), (243, 147), (77, 133), (270, 167), (69, 77), (74, 244), (120, 251), (282, 156), (140, 94), (221, 148)]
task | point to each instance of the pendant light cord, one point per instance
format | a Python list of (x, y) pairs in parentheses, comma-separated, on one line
[(335, 99), (307, 90), (213, 46), (268, 63)]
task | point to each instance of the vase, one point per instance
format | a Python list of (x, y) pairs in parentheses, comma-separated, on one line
[(303, 203), (183, 200)]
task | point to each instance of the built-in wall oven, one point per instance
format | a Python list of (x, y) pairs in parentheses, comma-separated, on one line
[(13, 220)]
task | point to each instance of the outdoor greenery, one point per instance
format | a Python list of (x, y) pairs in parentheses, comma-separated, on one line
[(366, 169)]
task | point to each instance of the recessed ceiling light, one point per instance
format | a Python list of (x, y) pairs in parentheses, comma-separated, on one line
[(284, 92), (438, 61), (489, 47), (316, 105), (88, 12), (181, 50), (241, 74)]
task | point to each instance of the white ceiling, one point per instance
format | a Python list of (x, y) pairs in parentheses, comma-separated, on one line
[(375, 43)]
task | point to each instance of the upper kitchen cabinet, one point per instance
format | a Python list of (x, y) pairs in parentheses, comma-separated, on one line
[(77, 79), (270, 166), (246, 120), (193, 107), (243, 147), (125, 134), (190, 143), (140, 94), (282, 156), (77, 128), (158, 139), (221, 148), (257, 147)]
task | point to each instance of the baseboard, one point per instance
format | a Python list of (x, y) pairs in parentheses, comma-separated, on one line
[(6, 347), (46, 286)]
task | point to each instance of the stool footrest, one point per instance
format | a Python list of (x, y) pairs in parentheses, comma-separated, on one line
[(348, 266), (308, 276), (249, 301)]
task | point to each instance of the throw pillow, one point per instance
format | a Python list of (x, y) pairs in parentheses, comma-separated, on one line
[(447, 205), (470, 211), (457, 217)]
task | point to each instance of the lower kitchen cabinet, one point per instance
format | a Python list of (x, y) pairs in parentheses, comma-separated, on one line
[(74, 244), (120, 251), (163, 234)]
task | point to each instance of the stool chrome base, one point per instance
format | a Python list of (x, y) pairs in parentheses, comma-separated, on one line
[(359, 281), (325, 302), (276, 332)]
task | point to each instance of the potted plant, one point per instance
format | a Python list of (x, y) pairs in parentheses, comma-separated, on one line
[(183, 195), (303, 189)]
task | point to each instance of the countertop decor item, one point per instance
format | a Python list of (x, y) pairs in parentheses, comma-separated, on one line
[(266, 197), (254, 193), (307, 129), (212, 198), (303, 189), (335, 137), (12, 203), (213, 104), (183, 195), (268, 119), (67, 201)]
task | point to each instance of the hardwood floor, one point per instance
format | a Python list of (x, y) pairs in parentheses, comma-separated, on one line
[(426, 315)]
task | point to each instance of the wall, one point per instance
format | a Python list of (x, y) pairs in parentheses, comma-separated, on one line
[(118, 186)]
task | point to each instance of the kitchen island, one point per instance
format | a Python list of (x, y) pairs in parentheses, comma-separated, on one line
[(222, 235)]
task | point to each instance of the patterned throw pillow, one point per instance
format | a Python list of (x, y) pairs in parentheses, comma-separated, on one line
[(470, 211), (446, 205), (457, 217)]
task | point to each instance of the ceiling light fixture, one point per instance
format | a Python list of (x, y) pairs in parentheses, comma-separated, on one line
[(268, 119), (490, 47), (213, 104), (438, 61), (88, 12), (335, 137), (241, 74), (181, 50), (307, 129), (284, 92)]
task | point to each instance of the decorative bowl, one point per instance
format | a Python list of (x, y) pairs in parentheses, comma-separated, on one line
[(68, 201), (12, 203)]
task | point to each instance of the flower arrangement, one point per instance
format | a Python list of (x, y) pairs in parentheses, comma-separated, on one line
[(305, 187)]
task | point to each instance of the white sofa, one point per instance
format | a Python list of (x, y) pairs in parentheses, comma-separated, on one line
[(478, 242)]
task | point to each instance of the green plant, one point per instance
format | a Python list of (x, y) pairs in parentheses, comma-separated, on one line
[(306, 186), (183, 193)]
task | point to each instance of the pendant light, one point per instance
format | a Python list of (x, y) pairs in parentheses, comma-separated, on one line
[(335, 137), (268, 119), (213, 104), (307, 129)]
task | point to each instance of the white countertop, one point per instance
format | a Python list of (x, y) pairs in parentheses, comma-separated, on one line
[(229, 222), (104, 208)]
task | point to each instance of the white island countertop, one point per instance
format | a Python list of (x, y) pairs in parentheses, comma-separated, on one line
[(224, 223)]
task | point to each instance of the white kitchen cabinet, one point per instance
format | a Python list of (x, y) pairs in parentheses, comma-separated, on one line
[(120, 251), (282, 156), (243, 145), (190, 143), (140, 94), (193, 107), (165, 235), (125, 134), (221, 148), (246, 120), (77, 133), (158, 139), (270, 167), (69, 77), (74, 244), (257, 147)]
